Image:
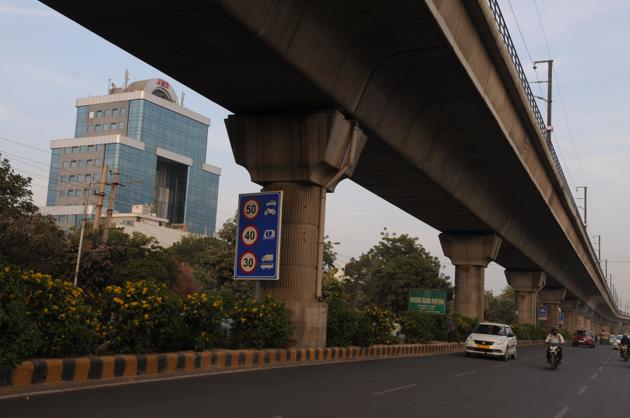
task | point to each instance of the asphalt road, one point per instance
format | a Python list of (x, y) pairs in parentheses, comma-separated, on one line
[(590, 383)]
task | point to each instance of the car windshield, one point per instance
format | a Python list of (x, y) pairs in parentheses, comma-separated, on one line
[(489, 329), (581, 333)]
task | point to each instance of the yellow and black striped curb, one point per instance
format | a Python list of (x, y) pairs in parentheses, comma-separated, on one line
[(82, 369)]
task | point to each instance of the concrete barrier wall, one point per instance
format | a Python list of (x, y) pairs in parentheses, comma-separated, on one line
[(39, 371)]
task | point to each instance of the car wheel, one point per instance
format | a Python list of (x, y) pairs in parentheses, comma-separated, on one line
[(506, 356), (514, 355)]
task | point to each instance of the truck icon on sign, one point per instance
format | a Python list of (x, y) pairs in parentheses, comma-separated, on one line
[(269, 234)]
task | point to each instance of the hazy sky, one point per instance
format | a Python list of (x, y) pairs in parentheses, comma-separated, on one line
[(47, 61)]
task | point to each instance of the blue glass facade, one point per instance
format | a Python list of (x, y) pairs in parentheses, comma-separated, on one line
[(144, 184)]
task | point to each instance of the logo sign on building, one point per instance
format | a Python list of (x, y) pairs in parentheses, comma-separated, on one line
[(561, 316), (541, 312), (428, 300), (258, 236)]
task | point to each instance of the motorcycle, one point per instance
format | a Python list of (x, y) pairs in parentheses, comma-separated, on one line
[(623, 352), (553, 354)]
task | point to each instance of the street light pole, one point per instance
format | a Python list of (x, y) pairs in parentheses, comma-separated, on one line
[(83, 222), (549, 98), (585, 198)]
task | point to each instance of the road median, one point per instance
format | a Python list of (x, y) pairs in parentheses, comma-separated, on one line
[(128, 367)]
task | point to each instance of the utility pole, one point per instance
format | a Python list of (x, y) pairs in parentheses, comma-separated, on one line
[(100, 196), (549, 98), (84, 221), (599, 247), (585, 198), (110, 208)]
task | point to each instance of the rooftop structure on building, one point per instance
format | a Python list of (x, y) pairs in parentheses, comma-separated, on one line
[(158, 147)]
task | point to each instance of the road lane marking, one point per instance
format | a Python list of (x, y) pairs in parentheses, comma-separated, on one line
[(594, 376), (582, 389), (465, 373), (601, 368), (606, 363), (383, 392), (562, 412)]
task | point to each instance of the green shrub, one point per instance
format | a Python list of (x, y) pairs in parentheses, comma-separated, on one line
[(463, 326), (263, 324), (20, 338), (203, 317), (528, 332), (420, 327), (375, 325), (343, 321), (143, 316)]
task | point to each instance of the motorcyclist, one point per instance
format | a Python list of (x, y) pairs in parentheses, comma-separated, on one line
[(555, 338), (625, 340)]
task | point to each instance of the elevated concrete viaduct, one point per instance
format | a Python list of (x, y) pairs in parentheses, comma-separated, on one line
[(453, 134)]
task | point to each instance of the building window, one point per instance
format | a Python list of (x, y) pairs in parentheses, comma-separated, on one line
[(114, 126), (95, 177), (121, 125), (89, 163), (90, 128), (99, 147), (105, 113), (72, 178), (81, 162), (98, 127), (64, 179), (99, 114), (106, 126), (80, 178), (62, 193), (70, 192), (97, 163), (75, 149), (114, 113), (90, 148), (91, 116), (66, 164), (73, 164), (123, 111), (67, 150), (88, 177)]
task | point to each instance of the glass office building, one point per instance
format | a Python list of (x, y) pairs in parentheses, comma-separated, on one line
[(156, 145)]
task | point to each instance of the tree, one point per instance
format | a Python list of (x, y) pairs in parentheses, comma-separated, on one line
[(124, 257), (501, 308), (27, 239), (384, 275), (212, 260)]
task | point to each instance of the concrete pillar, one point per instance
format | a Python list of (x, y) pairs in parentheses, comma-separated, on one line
[(470, 254), (526, 285), (569, 307), (552, 298), (305, 156)]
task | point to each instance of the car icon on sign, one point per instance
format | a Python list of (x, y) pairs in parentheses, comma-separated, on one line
[(266, 266), (270, 211)]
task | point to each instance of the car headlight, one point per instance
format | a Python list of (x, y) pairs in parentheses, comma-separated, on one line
[(469, 340)]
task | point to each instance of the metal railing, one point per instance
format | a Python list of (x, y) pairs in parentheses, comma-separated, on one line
[(507, 39)]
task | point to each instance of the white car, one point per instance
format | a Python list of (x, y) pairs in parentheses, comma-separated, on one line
[(616, 342), (492, 339)]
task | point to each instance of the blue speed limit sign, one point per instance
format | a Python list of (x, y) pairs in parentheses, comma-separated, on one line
[(258, 236)]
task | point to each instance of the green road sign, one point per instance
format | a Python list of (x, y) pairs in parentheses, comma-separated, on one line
[(428, 300)]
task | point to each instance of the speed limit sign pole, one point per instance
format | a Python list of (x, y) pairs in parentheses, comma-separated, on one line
[(303, 155)]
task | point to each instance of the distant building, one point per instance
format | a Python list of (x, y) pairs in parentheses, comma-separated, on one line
[(142, 220), (157, 146)]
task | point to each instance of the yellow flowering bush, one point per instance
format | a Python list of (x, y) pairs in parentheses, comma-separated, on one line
[(262, 324), (65, 324), (19, 335), (375, 326), (204, 316), (142, 316)]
